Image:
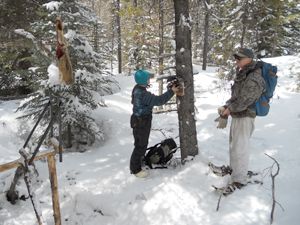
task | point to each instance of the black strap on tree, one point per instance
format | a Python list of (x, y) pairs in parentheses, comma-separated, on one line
[(36, 124), (53, 116), (59, 132), (41, 141), (27, 182)]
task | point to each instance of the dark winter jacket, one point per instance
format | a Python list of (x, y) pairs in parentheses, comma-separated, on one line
[(143, 100), (247, 88)]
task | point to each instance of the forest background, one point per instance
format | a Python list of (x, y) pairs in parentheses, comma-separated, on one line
[(107, 42), (127, 35)]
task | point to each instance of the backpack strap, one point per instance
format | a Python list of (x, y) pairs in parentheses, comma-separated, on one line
[(259, 65), (148, 155)]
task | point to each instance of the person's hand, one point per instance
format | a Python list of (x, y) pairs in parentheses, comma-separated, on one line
[(226, 113), (221, 110), (175, 89), (222, 122)]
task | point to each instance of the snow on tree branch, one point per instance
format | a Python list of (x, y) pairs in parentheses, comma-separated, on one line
[(185, 21), (52, 6), (24, 33)]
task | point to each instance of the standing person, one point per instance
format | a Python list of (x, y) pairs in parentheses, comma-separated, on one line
[(140, 121), (247, 88)]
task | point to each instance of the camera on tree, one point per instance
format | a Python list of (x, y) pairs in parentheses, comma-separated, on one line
[(174, 81)]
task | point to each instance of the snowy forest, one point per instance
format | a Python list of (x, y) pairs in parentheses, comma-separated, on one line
[(67, 71)]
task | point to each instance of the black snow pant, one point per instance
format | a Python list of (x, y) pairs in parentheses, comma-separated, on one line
[(141, 130)]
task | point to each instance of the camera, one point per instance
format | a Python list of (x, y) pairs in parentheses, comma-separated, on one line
[(172, 80)]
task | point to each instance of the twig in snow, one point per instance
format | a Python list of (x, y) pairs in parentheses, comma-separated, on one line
[(273, 175), (161, 131), (219, 201)]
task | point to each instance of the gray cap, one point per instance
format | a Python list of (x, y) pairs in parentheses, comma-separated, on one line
[(244, 53)]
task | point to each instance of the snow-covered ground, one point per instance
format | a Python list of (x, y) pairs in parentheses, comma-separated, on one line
[(95, 187)]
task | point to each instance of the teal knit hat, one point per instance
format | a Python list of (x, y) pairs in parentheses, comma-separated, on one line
[(141, 77)]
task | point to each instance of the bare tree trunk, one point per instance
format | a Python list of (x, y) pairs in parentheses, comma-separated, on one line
[(243, 35), (135, 3), (243, 32), (95, 31), (112, 51), (118, 21), (136, 53), (206, 33), (96, 38), (161, 45), (184, 72), (244, 24), (68, 143)]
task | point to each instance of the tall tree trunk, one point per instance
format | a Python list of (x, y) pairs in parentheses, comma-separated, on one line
[(184, 72), (96, 38), (118, 21), (206, 33), (161, 45), (243, 35), (136, 52), (244, 24), (95, 31), (112, 51)]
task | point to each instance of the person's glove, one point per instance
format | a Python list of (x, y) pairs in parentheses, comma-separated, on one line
[(221, 110), (222, 122)]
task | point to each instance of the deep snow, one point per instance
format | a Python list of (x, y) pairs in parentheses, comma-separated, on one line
[(95, 187)]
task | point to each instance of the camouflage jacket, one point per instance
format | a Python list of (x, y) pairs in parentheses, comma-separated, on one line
[(247, 88)]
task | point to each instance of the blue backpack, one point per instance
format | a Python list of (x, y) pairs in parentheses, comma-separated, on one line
[(269, 71)]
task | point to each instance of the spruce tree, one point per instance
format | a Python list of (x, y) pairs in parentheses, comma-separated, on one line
[(92, 81), (16, 76)]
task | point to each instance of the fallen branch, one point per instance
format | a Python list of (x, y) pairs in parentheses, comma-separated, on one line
[(273, 175), (161, 131)]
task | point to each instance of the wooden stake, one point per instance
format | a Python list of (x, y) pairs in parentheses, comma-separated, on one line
[(54, 188), (18, 162), (40, 155)]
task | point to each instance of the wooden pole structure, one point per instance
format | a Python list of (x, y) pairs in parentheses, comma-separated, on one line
[(54, 188), (18, 162), (50, 155)]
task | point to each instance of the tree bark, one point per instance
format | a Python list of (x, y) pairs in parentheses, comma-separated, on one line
[(54, 188), (136, 53), (135, 3), (119, 37), (206, 33), (184, 72), (244, 24), (161, 46)]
